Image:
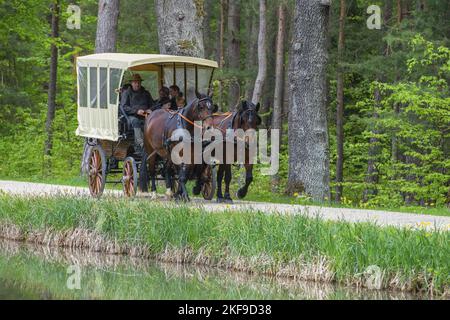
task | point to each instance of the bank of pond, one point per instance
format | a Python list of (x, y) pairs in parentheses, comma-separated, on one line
[(290, 247)]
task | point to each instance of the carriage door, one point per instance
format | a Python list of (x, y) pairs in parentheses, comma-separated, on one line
[(98, 101)]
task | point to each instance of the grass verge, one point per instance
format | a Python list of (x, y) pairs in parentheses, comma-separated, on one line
[(289, 246)]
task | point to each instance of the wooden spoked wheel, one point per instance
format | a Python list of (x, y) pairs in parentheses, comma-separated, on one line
[(129, 177), (209, 176), (97, 171)]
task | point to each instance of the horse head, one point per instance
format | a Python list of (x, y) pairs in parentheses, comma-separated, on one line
[(248, 115), (202, 109)]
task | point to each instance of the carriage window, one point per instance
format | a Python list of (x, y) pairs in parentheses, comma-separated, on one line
[(168, 75), (103, 88), (93, 87), (204, 76), (190, 87), (150, 82), (114, 83), (82, 80), (180, 78)]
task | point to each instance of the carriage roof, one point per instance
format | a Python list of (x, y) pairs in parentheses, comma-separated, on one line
[(100, 76), (139, 61)]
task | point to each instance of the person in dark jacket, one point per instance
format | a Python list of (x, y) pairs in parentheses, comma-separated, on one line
[(135, 102)]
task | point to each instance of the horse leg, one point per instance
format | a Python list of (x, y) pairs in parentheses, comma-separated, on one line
[(198, 183), (227, 183), (182, 179), (143, 174), (168, 178), (242, 192), (220, 173), (152, 167)]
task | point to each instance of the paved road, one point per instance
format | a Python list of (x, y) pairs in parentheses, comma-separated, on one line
[(382, 218)]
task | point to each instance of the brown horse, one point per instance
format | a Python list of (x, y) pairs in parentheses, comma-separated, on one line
[(245, 117), (158, 130)]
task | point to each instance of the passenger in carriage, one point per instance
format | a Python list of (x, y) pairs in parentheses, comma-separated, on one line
[(135, 101), (181, 102), (164, 101), (174, 95)]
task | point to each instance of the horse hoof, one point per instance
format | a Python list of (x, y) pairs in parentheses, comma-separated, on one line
[(153, 195), (220, 200), (228, 200), (241, 193)]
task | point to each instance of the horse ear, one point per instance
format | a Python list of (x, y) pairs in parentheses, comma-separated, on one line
[(244, 104), (258, 105), (215, 108), (198, 95)]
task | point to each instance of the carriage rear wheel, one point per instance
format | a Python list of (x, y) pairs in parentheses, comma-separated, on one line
[(129, 177), (97, 171), (209, 175)]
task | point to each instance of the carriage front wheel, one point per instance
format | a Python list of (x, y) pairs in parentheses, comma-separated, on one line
[(129, 177), (209, 176), (97, 171)]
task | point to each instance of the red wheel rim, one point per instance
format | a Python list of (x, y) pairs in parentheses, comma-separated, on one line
[(95, 173), (128, 179)]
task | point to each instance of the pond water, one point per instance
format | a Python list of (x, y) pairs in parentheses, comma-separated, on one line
[(36, 272)]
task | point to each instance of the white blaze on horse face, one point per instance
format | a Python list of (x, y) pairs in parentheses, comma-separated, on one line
[(274, 159), (215, 147)]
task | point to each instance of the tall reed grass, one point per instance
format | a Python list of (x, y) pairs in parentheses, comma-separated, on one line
[(280, 245)]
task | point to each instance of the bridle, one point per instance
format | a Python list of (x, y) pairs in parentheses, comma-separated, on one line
[(180, 114)]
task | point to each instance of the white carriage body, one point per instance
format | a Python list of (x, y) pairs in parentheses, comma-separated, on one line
[(100, 76)]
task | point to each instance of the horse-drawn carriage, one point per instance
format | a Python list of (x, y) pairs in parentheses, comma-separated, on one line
[(104, 124)]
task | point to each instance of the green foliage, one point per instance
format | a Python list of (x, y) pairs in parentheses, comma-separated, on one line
[(407, 63)]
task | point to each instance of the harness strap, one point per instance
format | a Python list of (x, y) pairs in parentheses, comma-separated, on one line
[(229, 114), (189, 121)]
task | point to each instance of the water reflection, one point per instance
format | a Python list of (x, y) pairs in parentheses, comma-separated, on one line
[(36, 272)]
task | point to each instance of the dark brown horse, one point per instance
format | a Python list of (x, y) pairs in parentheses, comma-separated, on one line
[(245, 117), (158, 130)]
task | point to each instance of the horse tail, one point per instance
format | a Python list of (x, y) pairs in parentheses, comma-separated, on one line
[(143, 174)]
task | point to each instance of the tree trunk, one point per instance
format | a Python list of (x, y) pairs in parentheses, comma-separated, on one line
[(180, 27), (279, 82), (105, 41), (340, 107), (399, 11), (234, 50), (308, 136), (108, 15), (220, 49), (251, 57), (372, 177), (207, 29), (262, 58), (51, 99)]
